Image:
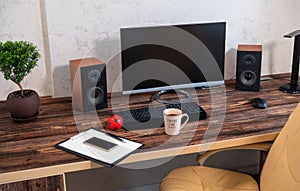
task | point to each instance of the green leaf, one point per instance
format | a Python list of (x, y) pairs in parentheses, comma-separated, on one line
[(17, 59)]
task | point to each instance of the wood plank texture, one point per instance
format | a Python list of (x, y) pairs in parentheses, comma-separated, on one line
[(54, 183), (25, 146)]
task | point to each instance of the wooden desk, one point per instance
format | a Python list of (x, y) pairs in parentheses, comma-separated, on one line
[(27, 149)]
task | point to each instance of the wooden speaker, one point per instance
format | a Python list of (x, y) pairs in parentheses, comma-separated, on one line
[(248, 67), (88, 79)]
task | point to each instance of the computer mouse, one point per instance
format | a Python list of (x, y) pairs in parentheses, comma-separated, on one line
[(259, 103)]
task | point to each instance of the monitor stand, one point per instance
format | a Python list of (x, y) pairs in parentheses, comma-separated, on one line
[(157, 97)]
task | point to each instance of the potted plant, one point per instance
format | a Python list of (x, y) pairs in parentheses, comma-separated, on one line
[(17, 59)]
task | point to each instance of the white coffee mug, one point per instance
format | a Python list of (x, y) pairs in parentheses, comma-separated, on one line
[(172, 120)]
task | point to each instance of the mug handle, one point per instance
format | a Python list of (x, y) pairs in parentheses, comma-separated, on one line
[(187, 119)]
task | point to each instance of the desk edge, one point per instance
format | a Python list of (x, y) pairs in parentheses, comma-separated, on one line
[(138, 157)]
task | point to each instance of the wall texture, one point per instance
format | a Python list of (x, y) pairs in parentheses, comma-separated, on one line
[(66, 30)]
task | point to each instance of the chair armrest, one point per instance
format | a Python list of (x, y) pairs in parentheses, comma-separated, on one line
[(265, 146)]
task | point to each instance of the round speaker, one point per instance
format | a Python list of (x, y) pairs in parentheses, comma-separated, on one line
[(94, 76), (249, 59), (248, 78), (95, 95)]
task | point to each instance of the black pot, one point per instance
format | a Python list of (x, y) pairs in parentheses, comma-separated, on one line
[(23, 107)]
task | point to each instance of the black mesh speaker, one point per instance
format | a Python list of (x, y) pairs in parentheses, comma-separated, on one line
[(248, 67), (88, 84)]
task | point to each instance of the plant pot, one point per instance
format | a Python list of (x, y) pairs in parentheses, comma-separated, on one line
[(23, 108)]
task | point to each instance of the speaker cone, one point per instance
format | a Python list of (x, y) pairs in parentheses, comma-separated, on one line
[(248, 78), (94, 76), (95, 95), (249, 59)]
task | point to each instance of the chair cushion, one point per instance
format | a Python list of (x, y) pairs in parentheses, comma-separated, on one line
[(281, 170), (201, 178)]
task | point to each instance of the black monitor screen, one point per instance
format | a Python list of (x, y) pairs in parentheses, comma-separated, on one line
[(172, 57)]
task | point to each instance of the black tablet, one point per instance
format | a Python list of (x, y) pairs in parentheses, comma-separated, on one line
[(100, 143)]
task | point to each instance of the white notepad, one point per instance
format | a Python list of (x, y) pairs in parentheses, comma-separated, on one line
[(119, 147)]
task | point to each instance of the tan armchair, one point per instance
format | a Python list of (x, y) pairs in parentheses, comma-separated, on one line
[(281, 170)]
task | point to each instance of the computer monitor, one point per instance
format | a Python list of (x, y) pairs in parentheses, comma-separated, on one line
[(158, 58)]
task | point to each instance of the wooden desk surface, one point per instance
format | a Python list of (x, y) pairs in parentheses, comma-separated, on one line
[(27, 149)]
